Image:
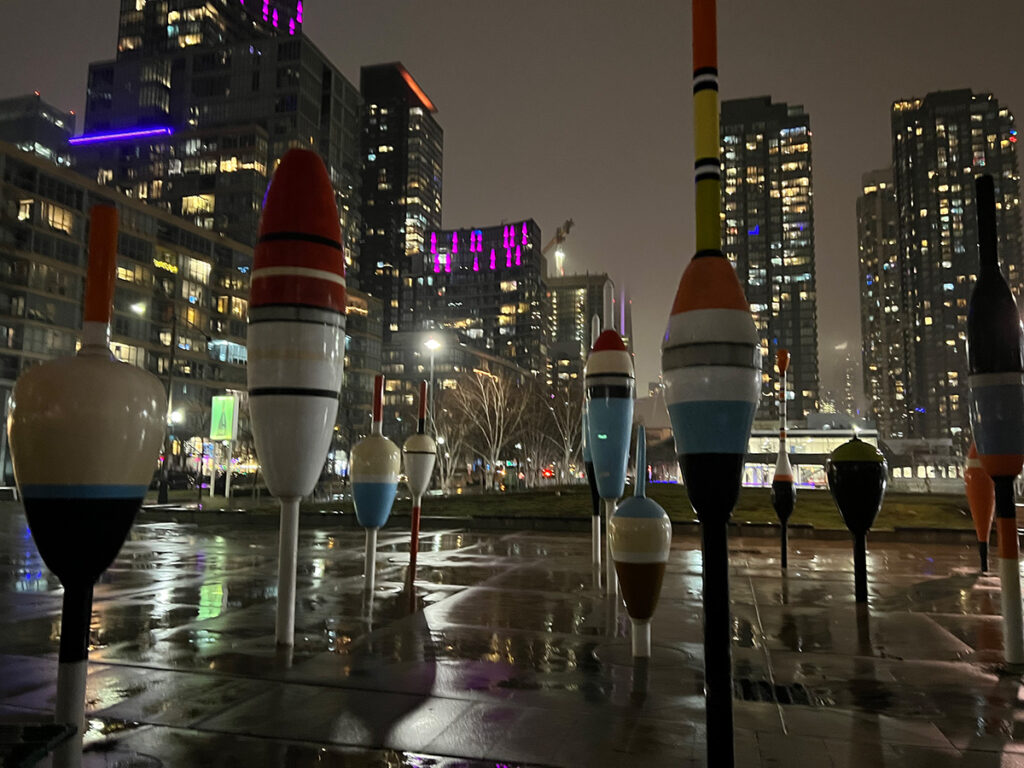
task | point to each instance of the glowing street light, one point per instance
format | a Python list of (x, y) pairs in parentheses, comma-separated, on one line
[(433, 344)]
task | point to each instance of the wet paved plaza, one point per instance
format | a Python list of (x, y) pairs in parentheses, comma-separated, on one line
[(504, 655)]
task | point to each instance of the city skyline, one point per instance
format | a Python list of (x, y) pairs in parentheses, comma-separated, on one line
[(533, 137)]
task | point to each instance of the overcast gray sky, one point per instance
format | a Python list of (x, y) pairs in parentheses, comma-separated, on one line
[(556, 109)]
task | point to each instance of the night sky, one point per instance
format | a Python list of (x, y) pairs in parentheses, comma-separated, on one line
[(556, 109)]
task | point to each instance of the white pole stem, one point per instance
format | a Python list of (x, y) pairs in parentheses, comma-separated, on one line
[(595, 546), (1013, 620), (227, 476), (611, 581), (287, 560), (71, 709), (641, 639), (370, 566)]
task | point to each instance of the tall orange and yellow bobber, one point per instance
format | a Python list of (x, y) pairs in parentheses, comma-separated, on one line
[(711, 366), (420, 452), (995, 363), (588, 465), (783, 486), (376, 463), (981, 499), (641, 538), (296, 347), (80, 503)]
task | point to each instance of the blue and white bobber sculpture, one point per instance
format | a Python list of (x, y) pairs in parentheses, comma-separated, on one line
[(640, 534), (84, 432), (420, 453), (376, 463), (296, 344), (610, 385)]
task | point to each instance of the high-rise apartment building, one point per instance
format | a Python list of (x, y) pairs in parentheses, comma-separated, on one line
[(402, 152), (488, 285), (881, 311), (32, 125), (768, 235), (940, 144), (574, 300), (203, 99)]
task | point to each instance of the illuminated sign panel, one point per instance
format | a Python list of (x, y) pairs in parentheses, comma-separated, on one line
[(224, 418)]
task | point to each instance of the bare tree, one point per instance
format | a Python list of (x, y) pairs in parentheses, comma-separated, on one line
[(451, 431), (492, 407), (565, 405)]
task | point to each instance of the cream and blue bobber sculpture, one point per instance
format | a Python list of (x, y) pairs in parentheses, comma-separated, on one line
[(640, 534), (376, 463), (610, 386), (296, 347), (420, 452), (80, 502)]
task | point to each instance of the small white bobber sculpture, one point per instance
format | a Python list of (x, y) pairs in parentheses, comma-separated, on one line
[(376, 463), (420, 453)]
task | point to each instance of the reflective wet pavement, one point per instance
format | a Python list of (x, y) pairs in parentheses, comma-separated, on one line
[(505, 655)]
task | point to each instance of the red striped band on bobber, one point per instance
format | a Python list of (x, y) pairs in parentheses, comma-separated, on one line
[(298, 285)]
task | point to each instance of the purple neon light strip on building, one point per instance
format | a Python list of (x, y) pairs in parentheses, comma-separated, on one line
[(126, 135), (298, 10), (492, 259), (476, 263)]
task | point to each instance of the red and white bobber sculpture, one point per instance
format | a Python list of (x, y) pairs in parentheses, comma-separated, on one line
[(80, 507), (296, 347), (640, 535), (420, 452), (376, 463)]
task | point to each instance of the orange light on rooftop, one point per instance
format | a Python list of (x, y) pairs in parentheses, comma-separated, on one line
[(414, 86)]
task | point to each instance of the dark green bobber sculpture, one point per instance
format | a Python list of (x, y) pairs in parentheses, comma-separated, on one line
[(857, 474)]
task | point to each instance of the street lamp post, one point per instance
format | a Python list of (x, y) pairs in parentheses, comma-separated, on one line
[(433, 345), (165, 450)]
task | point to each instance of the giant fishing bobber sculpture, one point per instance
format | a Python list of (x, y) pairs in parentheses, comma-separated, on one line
[(981, 499), (711, 365), (296, 347), (588, 465), (857, 474), (783, 487), (80, 503), (375, 465), (420, 452), (995, 360), (640, 535), (610, 386)]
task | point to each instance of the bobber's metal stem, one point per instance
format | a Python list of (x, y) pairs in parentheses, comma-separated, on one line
[(287, 562), (983, 555), (860, 567), (784, 537), (641, 639), (370, 564), (76, 616), (595, 548), (717, 642), (611, 579), (1009, 571)]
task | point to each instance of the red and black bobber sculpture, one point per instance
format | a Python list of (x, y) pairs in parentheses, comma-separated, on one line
[(296, 347), (995, 362), (783, 486), (981, 499), (81, 507), (857, 475)]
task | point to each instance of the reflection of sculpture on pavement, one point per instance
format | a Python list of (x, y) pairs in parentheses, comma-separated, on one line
[(81, 510), (296, 347), (711, 364)]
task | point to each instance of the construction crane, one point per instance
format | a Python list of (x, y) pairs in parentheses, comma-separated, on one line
[(560, 234)]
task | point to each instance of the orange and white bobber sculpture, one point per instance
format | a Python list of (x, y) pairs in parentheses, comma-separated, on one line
[(420, 453), (376, 463), (640, 534), (981, 498), (80, 503), (296, 347)]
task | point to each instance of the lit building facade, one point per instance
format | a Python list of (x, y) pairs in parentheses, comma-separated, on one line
[(939, 145), (574, 300), (32, 125), (201, 102), (402, 155), (489, 286), (768, 235), (881, 313)]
